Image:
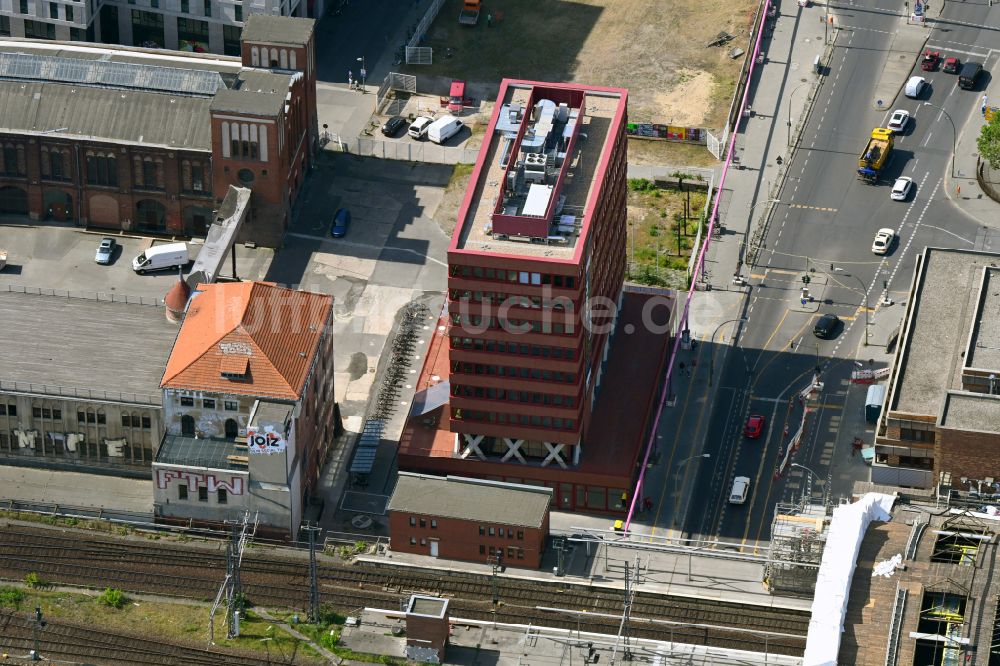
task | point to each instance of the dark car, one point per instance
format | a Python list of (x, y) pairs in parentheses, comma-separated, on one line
[(754, 426), (826, 326), (968, 76), (341, 221), (393, 126)]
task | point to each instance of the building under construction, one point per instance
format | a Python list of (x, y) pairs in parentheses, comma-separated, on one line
[(798, 536), (925, 591)]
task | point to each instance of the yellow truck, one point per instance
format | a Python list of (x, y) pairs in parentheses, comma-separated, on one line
[(875, 155)]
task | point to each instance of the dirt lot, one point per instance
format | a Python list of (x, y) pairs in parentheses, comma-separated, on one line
[(660, 236), (656, 50)]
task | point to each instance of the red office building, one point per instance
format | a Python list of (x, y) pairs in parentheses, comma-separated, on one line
[(535, 299)]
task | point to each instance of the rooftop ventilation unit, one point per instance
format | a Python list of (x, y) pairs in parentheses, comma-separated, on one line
[(534, 167)]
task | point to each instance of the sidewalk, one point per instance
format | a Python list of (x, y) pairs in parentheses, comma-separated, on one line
[(961, 186)]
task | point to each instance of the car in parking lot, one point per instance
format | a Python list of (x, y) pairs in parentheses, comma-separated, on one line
[(105, 251), (883, 240), (901, 188), (915, 87), (826, 326), (393, 126), (418, 128), (738, 493), (754, 426), (898, 120), (341, 222), (951, 66)]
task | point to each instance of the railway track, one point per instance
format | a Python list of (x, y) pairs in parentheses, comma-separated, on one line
[(67, 641), (270, 578)]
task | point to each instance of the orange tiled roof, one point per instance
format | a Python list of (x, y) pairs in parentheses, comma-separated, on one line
[(265, 333)]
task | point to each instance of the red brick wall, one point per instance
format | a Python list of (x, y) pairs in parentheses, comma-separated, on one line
[(461, 540), (314, 425), (424, 632)]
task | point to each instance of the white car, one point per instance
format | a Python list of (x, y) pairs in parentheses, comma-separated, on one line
[(105, 251), (898, 120), (915, 86), (901, 188), (741, 486), (883, 241)]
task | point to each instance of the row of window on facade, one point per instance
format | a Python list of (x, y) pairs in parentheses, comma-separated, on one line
[(221, 495), (501, 347), (276, 58), (244, 141), (210, 403), (75, 445), (513, 552), (98, 417), (512, 325), (192, 34), (461, 367), (101, 168), (536, 421), (527, 397), (515, 277), (513, 300)]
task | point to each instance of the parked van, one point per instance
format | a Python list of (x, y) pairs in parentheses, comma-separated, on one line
[(968, 76), (873, 403), (161, 257), (418, 128), (443, 129)]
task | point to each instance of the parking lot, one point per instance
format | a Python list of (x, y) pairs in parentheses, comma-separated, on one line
[(61, 257)]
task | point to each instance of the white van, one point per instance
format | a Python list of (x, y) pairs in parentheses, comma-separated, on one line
[(741, 486), (161, 257), (443, 129), (418, 128)]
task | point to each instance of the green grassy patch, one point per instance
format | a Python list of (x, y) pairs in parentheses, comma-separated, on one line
[(660, 235)]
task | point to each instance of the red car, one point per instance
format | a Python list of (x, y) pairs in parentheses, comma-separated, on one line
[(930, 60), (754, 426), (951, 66)]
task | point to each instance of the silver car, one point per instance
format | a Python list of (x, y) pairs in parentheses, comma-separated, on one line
[(105, 251)]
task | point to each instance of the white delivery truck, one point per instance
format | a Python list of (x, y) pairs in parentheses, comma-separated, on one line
[(443, 129), (161, 257)]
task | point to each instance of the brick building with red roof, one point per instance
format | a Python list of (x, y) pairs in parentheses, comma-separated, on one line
[(248, 409)]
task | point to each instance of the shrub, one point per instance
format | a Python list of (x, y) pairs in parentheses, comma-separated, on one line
[(11, 596), (33, 580), (112, 597)]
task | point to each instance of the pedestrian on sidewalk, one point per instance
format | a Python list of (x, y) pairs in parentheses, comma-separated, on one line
[(350, 79), (648, 504)]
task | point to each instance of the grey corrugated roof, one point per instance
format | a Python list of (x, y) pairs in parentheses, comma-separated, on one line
[(174, 121), (249, 102), (80, 343), (277, 29), (471, 499)]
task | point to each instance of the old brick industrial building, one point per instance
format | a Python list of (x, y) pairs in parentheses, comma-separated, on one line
[(150, 141), (469, 519), (247, 406), (941, 418), (552, 368)]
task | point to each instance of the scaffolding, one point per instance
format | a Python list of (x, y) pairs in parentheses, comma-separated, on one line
[(798, 536)]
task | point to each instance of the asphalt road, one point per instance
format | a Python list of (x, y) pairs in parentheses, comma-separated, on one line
[(828, 218)]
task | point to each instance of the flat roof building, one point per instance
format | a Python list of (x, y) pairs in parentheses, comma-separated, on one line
[(469, 519), (80, 384), (941, 418), (535, 273)]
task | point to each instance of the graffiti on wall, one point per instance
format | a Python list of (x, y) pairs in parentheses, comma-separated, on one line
[(195, 480), (666, 132)]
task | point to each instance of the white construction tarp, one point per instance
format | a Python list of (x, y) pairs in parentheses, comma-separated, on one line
[(833, 583)]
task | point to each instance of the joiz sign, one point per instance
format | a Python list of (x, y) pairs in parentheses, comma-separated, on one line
[(262, 440)]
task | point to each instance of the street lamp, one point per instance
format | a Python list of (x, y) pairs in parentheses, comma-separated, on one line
[(954, 135), (790, 112), (364, 74), (812, 474), (864, 290), (678, 466), (711, 352)]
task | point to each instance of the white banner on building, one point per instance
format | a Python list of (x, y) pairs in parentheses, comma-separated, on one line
[(262, 440)]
